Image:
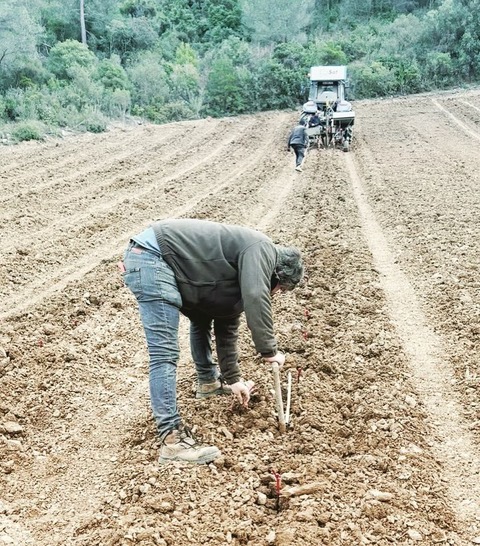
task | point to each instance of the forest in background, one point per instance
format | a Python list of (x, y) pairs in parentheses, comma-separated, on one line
[(80, 64)]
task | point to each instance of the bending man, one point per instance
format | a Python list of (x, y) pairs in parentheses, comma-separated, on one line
[(210, 272)]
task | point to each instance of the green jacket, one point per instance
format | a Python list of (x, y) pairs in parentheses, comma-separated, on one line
[(221, 271)]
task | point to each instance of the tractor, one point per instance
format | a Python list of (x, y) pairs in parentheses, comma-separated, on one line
[(329, 114)]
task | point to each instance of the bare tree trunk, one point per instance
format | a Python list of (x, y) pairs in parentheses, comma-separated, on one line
[(82, 22)]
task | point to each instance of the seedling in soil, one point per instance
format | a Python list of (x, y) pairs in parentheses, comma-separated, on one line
[(278, 487)]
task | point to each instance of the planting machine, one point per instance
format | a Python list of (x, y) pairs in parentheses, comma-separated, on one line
[(329, 114)]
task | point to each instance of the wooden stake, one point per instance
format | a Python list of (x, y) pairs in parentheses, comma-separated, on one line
[(289, 397), (278, 397)]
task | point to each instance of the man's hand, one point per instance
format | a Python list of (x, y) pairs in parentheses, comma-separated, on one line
[(279, 357), (241, 392)]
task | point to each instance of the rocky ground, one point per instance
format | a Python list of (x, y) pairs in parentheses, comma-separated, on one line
[(382, 342)]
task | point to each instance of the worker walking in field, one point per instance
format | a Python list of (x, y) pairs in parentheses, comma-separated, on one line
[(210, 272), (298, 140)]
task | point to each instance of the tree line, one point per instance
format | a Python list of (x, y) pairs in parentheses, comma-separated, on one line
[(80, 63)]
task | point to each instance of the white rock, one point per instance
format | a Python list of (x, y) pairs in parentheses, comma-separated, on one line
[(411, 449), (14, 445), (382, 496), (270, 538), (261, 498), (414, 535), (12, 428), (410, 400)]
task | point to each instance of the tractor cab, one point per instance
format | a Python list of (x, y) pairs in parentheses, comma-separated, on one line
[(325, 92), (327, 85)]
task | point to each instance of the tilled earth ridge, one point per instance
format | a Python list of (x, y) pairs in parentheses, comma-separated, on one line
[(78, 453)]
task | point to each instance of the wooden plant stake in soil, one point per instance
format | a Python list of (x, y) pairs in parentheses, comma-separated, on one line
[(289, 398), (278, 397)]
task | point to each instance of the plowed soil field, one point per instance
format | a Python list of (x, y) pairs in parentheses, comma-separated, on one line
[(382, 341)]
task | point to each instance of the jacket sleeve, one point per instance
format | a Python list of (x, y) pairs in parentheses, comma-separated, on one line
[(255, 269), (305, 137), (226, 335)]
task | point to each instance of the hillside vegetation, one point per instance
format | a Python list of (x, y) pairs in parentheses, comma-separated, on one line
[(79, 63)]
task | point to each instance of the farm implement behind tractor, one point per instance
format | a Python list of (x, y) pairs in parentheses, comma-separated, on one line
[(328, 113)]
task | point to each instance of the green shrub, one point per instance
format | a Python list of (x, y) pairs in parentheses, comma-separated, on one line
[(111, 74), (116, 103), (3, 109), (95, 126), (438, 69), (67, 57), (149, 81), (95, 122), (278, 87), (323, 52), (372, 80), (227, 89), (28, 130), (175, 111)]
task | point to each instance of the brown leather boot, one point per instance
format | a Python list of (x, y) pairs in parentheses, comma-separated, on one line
[(180, 445)]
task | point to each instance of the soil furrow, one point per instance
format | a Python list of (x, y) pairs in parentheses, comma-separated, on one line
[(64, 244), (468, 125), (433, 376), (126, 155)]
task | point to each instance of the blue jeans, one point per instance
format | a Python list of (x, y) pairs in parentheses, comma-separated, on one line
[(226, 336), (153, 283)]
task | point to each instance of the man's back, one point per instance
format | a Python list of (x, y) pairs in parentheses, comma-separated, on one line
[(298, 136), (216, 264)]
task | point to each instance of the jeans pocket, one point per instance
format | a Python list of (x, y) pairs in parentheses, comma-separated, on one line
[(167, 285), (133, 280)]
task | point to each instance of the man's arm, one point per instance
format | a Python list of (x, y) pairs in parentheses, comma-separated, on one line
[(226, 336), (256, 267)]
